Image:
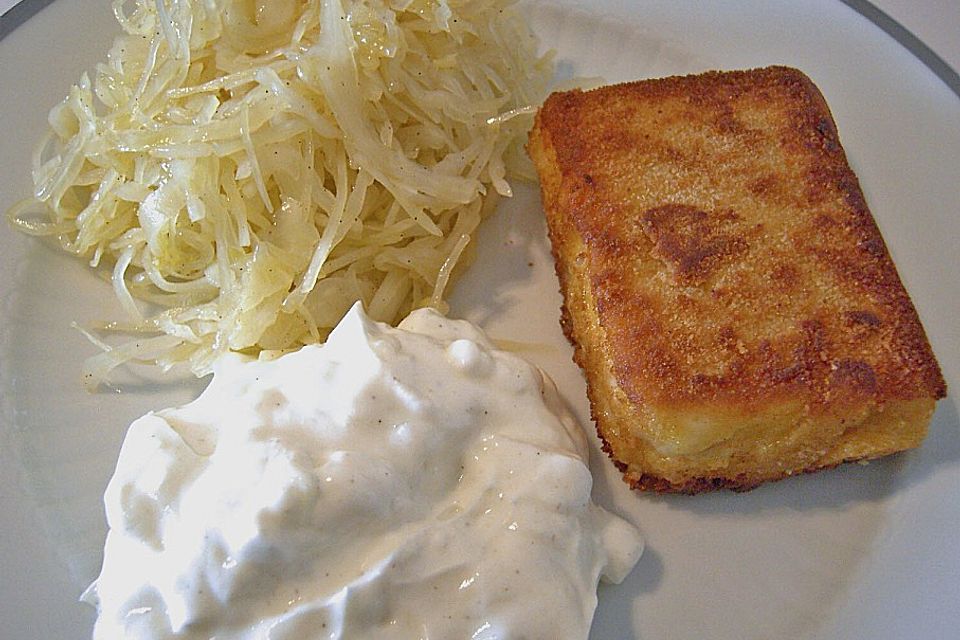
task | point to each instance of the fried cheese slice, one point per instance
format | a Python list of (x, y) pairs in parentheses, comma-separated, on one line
[(729, 296)]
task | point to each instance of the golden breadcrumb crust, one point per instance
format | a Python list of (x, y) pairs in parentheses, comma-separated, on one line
[(729, 296)]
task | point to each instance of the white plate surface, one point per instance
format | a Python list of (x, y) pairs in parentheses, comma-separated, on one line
[(858, 552)]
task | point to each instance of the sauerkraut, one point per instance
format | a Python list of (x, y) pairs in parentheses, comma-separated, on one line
[(243, 171)]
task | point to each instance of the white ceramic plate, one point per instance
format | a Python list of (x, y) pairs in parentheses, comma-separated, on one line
[(858, 552)]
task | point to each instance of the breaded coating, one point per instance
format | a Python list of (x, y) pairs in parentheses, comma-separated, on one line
[(730, 299)]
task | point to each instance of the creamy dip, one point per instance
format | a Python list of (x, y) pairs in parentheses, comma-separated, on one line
[(393, 483)]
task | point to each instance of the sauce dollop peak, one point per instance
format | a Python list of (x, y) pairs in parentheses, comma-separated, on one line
[(393, 483)]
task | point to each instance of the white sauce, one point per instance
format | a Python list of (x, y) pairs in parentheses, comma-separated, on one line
[(394, 483)]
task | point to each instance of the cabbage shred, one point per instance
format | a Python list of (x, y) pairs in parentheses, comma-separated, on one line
[(245, 171)]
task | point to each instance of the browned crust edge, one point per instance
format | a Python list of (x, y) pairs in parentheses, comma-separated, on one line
[(814, 114), (745, 482)]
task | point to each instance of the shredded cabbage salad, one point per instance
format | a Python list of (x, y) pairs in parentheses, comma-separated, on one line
[(243, 171)]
